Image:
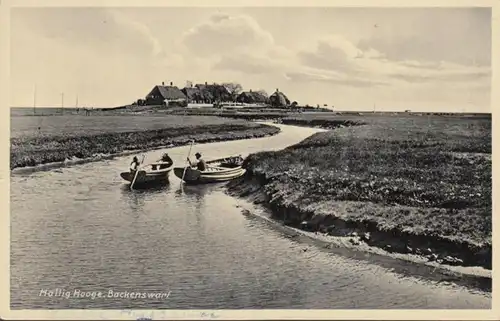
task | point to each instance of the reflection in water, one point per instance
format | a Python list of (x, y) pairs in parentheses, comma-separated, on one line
[(136, 198), (195, 244), (198, 192), (194, 195)]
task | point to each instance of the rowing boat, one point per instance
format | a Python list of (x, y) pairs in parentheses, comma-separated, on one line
[(218, 170), (149, 174)]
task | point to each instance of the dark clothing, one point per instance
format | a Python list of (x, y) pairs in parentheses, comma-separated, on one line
[(134, 166), (201, 165), (166, 159)]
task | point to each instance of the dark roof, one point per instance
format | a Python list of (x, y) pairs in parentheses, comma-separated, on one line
[(192, 92), (252, 97), (169, 92), (205, 91), (211, 91), (279, 99)]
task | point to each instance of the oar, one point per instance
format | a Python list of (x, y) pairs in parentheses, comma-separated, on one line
[(189, 154), (136, 172)]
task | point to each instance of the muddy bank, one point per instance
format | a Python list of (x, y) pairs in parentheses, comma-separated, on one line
[(321, 123), (404, 185), (272, 193), (34, 151), (404, 265)]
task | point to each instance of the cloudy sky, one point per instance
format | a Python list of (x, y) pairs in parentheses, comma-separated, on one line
[(352, 58)]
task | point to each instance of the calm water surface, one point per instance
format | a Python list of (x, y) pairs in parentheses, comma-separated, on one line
[(81, 228)]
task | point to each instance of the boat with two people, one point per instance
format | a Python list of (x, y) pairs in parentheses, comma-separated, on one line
[(149, 174), (213, 171)]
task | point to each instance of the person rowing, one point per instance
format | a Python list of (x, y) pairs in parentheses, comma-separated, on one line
[(166, 160), (135, 164), (199, 163)]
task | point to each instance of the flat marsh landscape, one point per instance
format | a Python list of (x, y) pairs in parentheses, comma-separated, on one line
[(39, 140), (404, 183), (412, 184)]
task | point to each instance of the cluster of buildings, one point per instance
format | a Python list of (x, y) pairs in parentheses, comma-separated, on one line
[(171, 95)]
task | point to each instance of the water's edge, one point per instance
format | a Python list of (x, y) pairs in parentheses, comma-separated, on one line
[(250, 187), (178, 142)]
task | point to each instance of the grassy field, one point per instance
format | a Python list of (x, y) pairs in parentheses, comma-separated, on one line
[(415, 183), (93, 125), (47, 139)]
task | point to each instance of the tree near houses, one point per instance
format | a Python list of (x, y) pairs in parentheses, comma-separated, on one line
[(233, 88)]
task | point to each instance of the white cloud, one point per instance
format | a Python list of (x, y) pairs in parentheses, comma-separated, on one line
[(332, 78), (334, 62), (139, 33), (240, 44), (107, 30), (235, 47), (247, 63), (227, 34), (337, 54)]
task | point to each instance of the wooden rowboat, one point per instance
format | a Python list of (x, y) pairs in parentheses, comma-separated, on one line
[(149, 174), (218, 170)]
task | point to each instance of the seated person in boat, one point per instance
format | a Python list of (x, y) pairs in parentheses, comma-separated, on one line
[(232, 162), (165, 158), (135, 164), (200, 163)]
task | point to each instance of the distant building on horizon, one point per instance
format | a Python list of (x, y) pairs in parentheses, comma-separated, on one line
[(193, 95), (166, 95), (252, 97), (279, 99), (214, 93), (208, 94)]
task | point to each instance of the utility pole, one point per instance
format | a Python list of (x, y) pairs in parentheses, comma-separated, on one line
[(62, 103), (34, 100)]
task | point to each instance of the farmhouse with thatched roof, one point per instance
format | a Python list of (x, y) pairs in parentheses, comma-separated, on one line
[(252, 97), (279, 99), (166, 95), (193, 95), (214, 93)]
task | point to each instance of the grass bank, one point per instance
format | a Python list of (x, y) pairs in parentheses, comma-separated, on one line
[(320, 122), (407, 184), (49, 139)]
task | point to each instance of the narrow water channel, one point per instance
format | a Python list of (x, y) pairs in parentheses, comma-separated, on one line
[(81, 229)]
